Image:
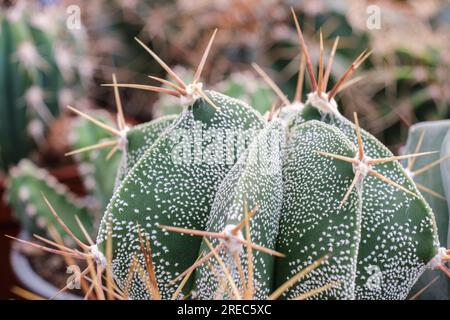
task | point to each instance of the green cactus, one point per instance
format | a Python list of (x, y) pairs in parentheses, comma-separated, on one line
[(329, 204), (254, 181), (240, 85), (429, 176), (25, 188), (36, 73)]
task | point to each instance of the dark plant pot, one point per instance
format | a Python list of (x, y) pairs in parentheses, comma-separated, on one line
[(30, 279)]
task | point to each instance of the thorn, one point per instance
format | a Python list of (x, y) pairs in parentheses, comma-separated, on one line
[(56, 245), (285, 286), (389, 181), (97, 146), (396, 158), (272, 111), (241, 224), (429, 166), (25, 294), (83, 230), (186, 277), (198, 263), (224, 269), (350, 83), (263, 249), (249, 291), (112, 152), (418, 146), (95, 121), (50, 250), (445, 270), (147, 252), (352, 185), (169, 84), (271, 83), (204, 57), (363, 56), (68, 285), (305, 52), (429, 191), (316, 291), (330, 63), (193, 232), (359, 138), (144, 87), (210, 102), (171, 73), (300, 79), (336, 156), (415, 296), (320, 75), (120, 117), (63, 225)]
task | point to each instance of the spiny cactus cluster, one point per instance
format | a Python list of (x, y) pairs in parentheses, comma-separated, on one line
[(40, 71), (221, 202)]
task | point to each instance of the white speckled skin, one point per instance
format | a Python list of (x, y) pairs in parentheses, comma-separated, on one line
[(158, 191)]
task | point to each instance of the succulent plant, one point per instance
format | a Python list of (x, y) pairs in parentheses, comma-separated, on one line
[(42, 66), (430, 176), (327, 210)]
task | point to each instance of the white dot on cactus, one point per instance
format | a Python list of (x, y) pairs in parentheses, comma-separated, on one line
[(41, 222), (35, 128), (28, 55), (24, 193), (65, 97), (30, 210), (64, 60)]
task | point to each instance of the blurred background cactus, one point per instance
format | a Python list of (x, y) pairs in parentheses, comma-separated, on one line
[(43, 67)]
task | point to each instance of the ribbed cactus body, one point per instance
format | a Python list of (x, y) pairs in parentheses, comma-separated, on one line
[(139, 139), (36, 77), (254, 183), (398, 230), (170, 185), (312, 225)]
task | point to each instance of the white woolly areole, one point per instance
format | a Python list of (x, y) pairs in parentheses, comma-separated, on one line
[(438, 259), (98, 256), (408, 172), (233, 242), (362, 166), (287, 111), (322, 103), (192, 93)]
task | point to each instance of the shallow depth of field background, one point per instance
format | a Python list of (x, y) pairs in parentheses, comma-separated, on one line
[(406, 79)]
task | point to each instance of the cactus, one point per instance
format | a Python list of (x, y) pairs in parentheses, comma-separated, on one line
[(37, 75), (429, 175), (239, 85), (327, 211), (25, 187)]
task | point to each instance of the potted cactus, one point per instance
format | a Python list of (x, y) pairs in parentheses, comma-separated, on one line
[(221, 202)]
